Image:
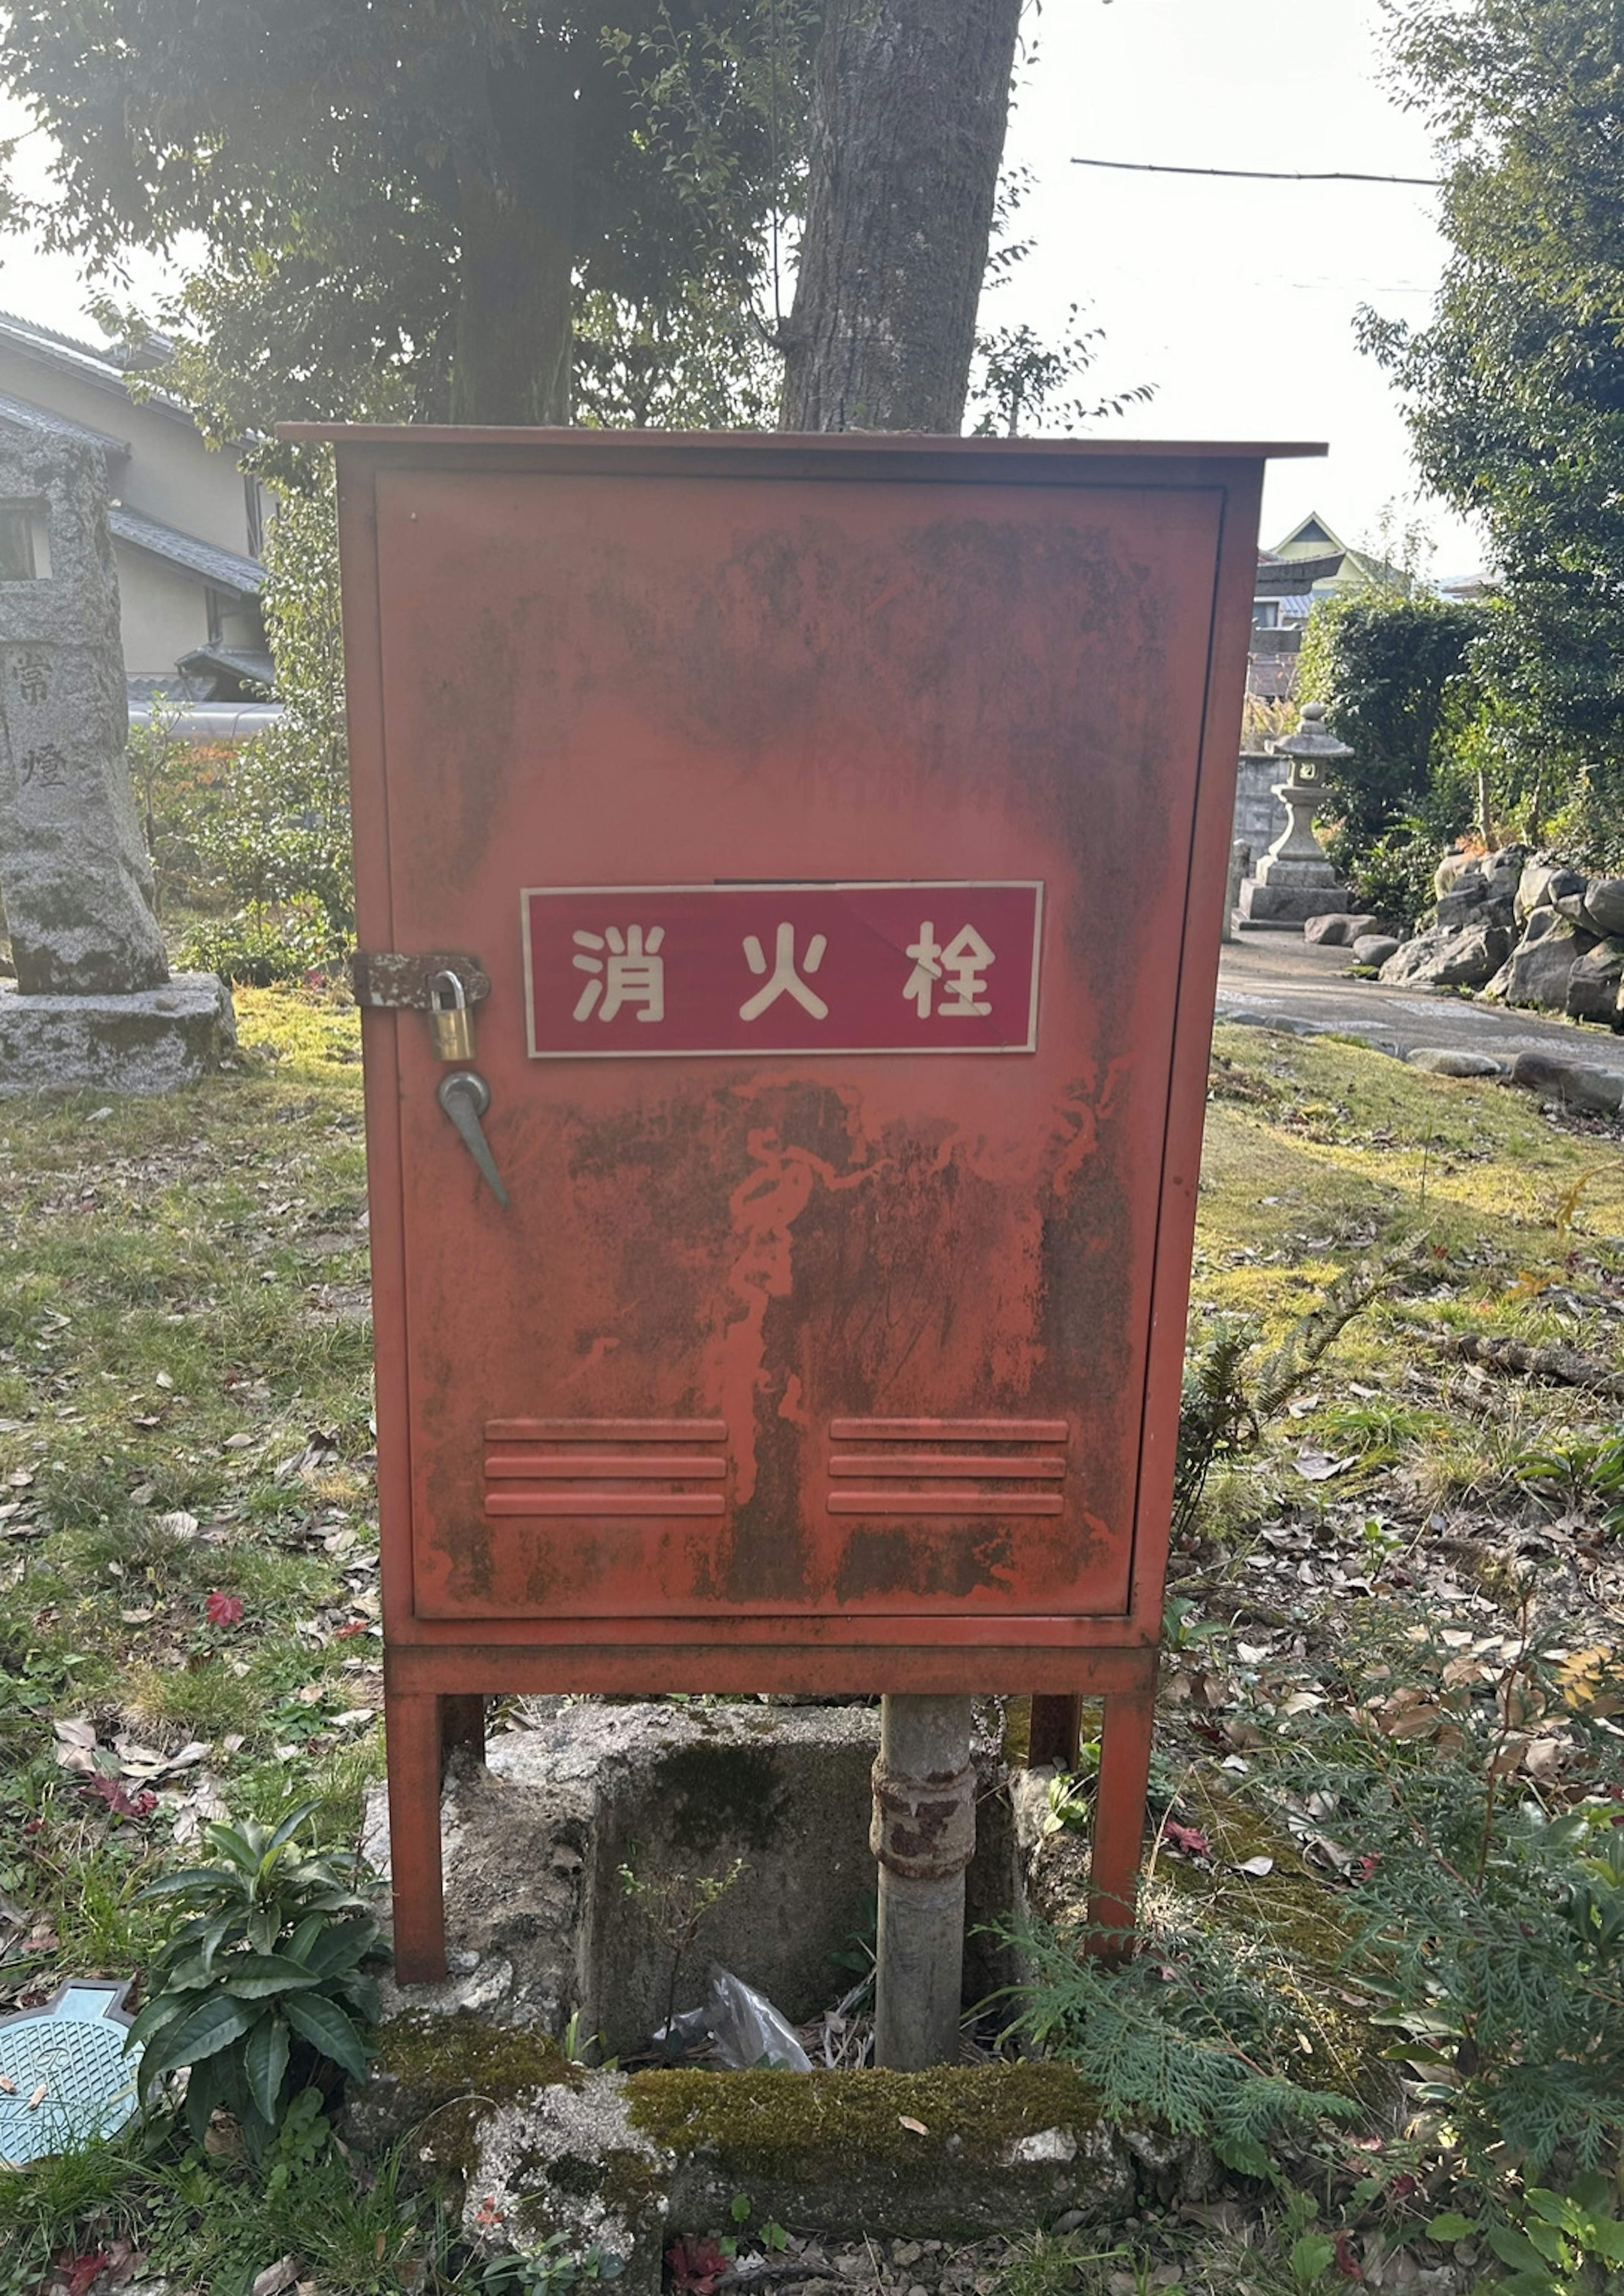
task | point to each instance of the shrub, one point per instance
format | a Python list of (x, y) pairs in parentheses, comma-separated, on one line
[(262, 1992), (264, 943)]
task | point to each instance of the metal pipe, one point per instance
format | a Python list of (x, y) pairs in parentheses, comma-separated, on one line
[(923, 1836)]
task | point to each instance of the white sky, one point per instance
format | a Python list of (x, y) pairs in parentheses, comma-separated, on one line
[(1236, 299)]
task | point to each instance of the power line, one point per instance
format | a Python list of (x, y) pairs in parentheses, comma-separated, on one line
[(1261, 175)]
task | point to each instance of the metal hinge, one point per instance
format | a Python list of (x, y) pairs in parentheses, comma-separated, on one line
[(390, 983)]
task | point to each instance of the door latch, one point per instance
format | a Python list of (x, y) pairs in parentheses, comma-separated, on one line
[(466, 1097)]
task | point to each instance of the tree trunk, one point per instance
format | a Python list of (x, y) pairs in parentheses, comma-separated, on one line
[(511, 357), (906, 137)]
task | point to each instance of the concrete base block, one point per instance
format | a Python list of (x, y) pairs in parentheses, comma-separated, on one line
[(525, 2146), (153, 1042), (541, 1923), (1289, 908)]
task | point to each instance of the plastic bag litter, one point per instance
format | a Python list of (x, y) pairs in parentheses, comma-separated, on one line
[(743, 2029)]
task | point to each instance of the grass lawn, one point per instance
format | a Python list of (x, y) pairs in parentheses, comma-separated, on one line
[(188, 1533)]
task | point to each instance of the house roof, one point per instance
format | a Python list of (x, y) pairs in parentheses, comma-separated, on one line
[(1359, 570), (25, 415), (108, 368), (1309, 538), (236, 662), (1279, 578), (222, 569)]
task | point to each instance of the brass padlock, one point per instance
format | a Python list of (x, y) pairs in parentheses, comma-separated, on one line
[(451, 1025)]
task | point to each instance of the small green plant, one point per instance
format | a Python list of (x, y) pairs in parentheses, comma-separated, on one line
[(1231, 1392), (1311, 2253), (676, 1907), (262, 1990), (549, 2270), (1566, 2243), (772, 2235), (1577, 1471)]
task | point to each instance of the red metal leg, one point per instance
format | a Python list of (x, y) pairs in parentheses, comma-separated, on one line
[(462, 1733), (1056, 1731), (1119, 1817), (411, 1727)]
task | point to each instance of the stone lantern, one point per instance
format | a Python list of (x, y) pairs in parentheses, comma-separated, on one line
[(1294, 879)]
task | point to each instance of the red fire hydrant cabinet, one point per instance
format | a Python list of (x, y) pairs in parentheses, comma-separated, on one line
[(790, 874)]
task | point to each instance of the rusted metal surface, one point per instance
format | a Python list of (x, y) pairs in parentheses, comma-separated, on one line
[(391, 981), (793, 1360), (923, 1828)]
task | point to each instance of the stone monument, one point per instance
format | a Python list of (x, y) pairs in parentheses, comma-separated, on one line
[(94, 1006), (1294, 879)]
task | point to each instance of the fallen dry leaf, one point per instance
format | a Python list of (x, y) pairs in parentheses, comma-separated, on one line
[(918, 2127), (1319, 1466)]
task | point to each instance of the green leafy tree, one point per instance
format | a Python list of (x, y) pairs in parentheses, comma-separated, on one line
[(1516, 389), (1024, 383), (1396, 673), (404, 205)]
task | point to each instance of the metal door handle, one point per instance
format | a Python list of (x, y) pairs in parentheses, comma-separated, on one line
[(466, 1097)]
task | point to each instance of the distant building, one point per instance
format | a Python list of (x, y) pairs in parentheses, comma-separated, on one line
[(1310, 564), (1356, 572), (188, 523)]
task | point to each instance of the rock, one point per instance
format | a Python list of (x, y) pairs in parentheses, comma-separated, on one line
[(153, 1042), (1458, 960), (1605, 905), (1375, 948), (1571, 905), (569, 2158), (1329, 931), (73, 869), (1577, 1085), (1451, 869), (1543, 883), (1287, 907), (1537, 970), (1461, 906), (1592, 984), (1443, 1060)]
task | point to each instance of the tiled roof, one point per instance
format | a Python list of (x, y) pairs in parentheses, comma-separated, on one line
[(23, 412), (222, 569), (109, 367)]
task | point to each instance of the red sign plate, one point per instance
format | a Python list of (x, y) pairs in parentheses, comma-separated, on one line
[(619, 971)]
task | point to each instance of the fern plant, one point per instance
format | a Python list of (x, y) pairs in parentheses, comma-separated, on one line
[(1184, 2035), (1494, 1932)]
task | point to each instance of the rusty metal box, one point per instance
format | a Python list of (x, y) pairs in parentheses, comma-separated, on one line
[(841, 826)]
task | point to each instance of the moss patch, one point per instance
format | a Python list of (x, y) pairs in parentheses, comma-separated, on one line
[(451, 2071), (816, 2126)]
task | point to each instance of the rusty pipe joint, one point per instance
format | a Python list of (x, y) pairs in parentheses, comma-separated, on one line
[(923, 1829)]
